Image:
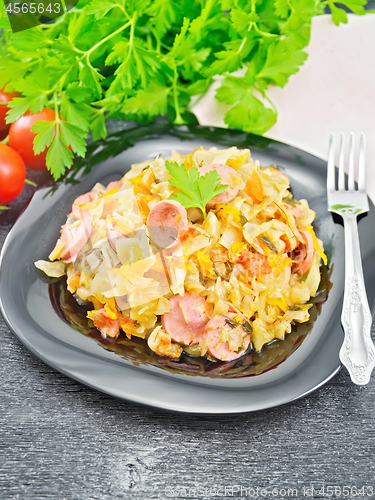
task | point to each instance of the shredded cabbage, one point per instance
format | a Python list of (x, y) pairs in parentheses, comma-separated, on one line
[(248, 255)]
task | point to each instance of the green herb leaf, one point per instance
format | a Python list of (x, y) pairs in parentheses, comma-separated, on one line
[(247, 327), (231, 323), (74, 137), (283, 60), (59, 156), (267, 241), (114, 59), (196, 190), (44, 135)]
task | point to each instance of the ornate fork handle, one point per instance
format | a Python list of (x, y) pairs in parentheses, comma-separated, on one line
[(358, 351)]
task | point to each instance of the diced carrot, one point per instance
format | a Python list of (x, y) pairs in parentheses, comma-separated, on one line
[(255, 262), (143, 204), (235, 163), (189, 161), (191, 232), (254, 187)]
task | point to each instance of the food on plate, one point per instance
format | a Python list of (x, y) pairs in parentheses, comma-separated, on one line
[(205, 254)]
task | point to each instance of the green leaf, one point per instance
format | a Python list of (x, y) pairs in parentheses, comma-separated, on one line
[(247, 111), (58, 157), (101, 7), (29, 40), (74, 137), (98, 128), (210, 19), (152, 101), (282, 8), (137, 62), (240, 20), (195, 190), (338, 15), (110, 59), (11, 70), (181, 43), (77, 92), (17, 107), (231, 60), (64, 47), (91, 78), (282, 61), (163, 14), (44, 135), (357, 6), (77, 113)]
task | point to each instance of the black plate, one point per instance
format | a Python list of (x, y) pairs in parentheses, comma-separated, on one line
[(27, 308)]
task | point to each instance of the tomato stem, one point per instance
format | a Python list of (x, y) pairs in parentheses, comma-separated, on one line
[(30, 182)]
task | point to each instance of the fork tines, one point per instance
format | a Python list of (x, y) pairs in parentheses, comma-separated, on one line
[(331, 177)]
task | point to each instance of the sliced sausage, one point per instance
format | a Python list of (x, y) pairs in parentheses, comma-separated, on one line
[(295, 211), (114, 185), (254, 262), (165, 221), (303, 255), (188, 318), (75, 236), (228, 176), (220, 350), (84, 199)]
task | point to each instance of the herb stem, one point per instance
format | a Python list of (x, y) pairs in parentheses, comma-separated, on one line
[(111, 35), (31, 183), (178, 118)]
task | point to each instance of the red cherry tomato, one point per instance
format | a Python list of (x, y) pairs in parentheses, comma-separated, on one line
[(21, 138), (12, 174), (5, 97)]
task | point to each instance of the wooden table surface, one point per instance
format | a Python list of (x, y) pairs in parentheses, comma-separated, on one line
[(63, 440)]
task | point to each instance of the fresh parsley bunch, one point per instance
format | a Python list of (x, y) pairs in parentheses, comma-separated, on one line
[(137, 59)]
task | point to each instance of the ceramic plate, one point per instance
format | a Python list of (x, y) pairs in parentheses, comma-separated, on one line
[(28, 311)]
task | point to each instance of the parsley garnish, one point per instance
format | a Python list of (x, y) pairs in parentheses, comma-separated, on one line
[(195, 190), (117, 59)]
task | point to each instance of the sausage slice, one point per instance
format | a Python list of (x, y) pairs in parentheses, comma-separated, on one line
[(84, 199), (188, 318), (211, 338), (114, 185), (75, 236), (304, 253), (165, 220)]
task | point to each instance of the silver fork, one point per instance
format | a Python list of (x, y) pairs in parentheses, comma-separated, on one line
[(358, 351)]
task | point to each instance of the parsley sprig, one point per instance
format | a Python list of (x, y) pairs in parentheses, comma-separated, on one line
[(195, 190), (138, 59)]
